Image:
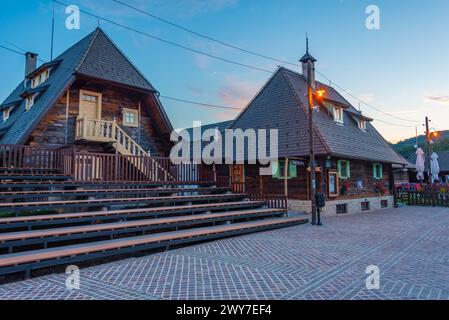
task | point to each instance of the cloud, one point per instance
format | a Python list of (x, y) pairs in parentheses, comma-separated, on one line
[(438, 99), (237, 93)]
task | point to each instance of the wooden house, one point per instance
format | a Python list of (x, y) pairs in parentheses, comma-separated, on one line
[(92, 98), (354, 162)]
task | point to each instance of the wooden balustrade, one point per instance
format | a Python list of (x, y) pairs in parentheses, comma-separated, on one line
[(31, 157), (273, 201)]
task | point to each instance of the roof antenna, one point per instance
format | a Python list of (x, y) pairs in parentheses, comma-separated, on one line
[(52, 31)]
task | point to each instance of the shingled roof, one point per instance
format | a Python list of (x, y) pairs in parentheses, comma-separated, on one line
[(94, 56), (282, 104)]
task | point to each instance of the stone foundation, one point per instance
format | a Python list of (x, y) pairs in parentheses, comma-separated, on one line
[(353, 205)]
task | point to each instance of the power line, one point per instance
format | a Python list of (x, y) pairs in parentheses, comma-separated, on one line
[(12, 50), (365, 103), (226, 44), (169, 42), (200, 103), (203, 104), (228, 60), (253, 53)]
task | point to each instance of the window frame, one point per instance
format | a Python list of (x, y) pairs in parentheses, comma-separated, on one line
[(135, 114), (378, 168), (279, 169), (348, 169), (362, 125), (6, 114), (340, 112), (29, 102)]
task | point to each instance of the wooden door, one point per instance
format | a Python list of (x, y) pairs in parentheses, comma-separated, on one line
[(238, 177), (90, 105)]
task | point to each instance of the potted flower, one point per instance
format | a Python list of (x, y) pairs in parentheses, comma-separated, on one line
[(345, 187), (380, 187)]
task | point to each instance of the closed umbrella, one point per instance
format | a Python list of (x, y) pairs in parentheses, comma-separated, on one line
[(420, 167), (434, 167)]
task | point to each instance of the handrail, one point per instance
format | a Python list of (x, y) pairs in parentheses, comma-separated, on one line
[(110, 131)]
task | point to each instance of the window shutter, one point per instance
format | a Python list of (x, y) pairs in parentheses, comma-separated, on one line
[(276, 170), (381, 174), (348, 169), (339, 168), (292, 170)]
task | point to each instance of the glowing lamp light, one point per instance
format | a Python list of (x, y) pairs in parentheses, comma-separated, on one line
[(320, 94)]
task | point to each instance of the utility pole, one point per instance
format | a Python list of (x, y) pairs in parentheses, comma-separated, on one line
[(428, 150), (312, 151)]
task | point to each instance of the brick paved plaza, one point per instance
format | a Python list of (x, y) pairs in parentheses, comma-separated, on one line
[(410, 246)]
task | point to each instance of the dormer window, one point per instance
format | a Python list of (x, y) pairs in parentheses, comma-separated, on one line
[(29, 102), (338, 115), (362, 125), (335, 111), (6, 114), (40, 78)]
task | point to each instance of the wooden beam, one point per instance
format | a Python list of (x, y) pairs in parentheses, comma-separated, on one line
[(286, 177), (67, 104)]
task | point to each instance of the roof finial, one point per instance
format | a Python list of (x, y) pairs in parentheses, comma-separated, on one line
[(307, 43)]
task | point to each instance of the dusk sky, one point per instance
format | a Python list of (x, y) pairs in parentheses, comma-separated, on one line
[(401, 69)]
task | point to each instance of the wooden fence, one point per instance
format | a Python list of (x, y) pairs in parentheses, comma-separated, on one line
[(428, 198)]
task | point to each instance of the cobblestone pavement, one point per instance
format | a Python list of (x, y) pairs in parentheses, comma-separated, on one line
[(409, 245)]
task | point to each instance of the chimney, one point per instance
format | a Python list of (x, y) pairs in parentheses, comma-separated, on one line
[(308, 64), (30, 63)]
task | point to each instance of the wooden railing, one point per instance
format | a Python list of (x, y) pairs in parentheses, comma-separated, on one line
[(31, 157), (428, 198), (273, 201), (109, 131)]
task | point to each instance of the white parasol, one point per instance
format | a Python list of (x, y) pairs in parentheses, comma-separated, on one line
[(434, 167), (420, 166)]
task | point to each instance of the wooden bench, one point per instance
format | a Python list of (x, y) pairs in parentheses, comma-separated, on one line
[(30, 177), (17, 195), (48, 220), (16, 240), (27, 261), (66, 204), (15, 185)]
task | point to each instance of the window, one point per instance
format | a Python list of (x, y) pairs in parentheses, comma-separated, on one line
[(6, 114), (342, 208), (384, 204), (333, 184), (279, 170), (130, 118), (365, 206), (29, 102), (40, 78), (338, 114), (344, 169), (377, 171), (89, 98), (362, 125)]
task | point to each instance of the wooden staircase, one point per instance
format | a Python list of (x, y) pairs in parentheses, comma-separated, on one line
[(47, 222), (110, 132)]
